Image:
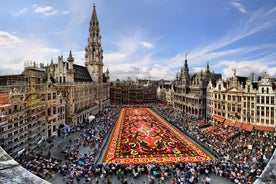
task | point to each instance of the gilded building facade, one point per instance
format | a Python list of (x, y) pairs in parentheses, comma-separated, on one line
[(26, 118), (244, 103), (54, 110), (190, 91)]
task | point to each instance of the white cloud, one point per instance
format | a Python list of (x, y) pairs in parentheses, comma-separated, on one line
[(132, 52), (114, 57), (77, 55), (125, 70), (238, 6), (245, 68), (176, 61), (22, 11), (15, 51), (8, 40), (45, 10), (161, 72), (48, 10), (78, 12), (37, 52), (222, 49), (260, 20), (198, 69), (143, 67), (147, 45), (65, 12), (271, 11), (128, 49), (41, 50), (133, 57)]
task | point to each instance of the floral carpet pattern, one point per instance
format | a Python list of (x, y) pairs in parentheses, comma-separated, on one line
[(140, 136)]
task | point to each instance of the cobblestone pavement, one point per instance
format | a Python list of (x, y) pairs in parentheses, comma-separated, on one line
[(60, 143)]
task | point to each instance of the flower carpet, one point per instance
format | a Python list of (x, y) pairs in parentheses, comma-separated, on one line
[(140, 136)]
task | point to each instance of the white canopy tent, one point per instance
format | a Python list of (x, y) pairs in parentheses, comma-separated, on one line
[(20, 152), (91, 117), (41, 140)]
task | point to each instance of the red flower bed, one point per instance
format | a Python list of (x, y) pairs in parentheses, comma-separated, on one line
[(141, 136)]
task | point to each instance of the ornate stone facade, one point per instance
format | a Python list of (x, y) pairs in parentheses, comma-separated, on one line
[(85, 88), (30, 110), (190, 91), (240, 101)]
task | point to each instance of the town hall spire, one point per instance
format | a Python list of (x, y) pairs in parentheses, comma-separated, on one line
[(94, 17), (93, 50), (185, 73)]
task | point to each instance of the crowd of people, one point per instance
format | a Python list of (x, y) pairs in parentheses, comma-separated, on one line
[(83, 166), (242, 155), (40, 165), (241, 158)]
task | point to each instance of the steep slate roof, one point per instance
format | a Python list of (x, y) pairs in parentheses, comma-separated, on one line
[(81, 74)]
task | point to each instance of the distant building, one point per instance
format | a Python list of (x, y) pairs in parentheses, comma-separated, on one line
[(190, 91), (131, 92), (170, 95), (165, 91)]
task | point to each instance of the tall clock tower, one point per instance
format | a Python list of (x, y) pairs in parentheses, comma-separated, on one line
[(94, 51)]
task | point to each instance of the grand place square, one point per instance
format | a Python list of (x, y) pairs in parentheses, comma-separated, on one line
[(65, 122)]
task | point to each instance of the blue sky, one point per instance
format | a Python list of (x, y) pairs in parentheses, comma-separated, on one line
[(143, 39)]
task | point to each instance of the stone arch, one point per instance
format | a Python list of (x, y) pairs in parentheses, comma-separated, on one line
[(60, 130)]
